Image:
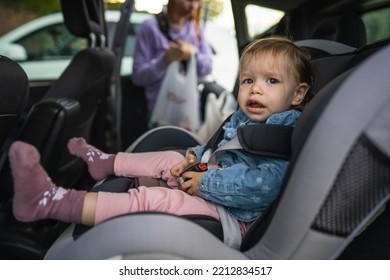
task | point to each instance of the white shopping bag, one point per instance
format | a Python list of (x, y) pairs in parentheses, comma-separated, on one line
[(178, 100), (216, 111)]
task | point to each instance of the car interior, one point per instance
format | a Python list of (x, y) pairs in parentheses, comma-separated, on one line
[(75, 105), (334, 202)]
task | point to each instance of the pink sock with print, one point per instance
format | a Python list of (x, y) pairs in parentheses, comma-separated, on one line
[(100, 164), (36, 197)]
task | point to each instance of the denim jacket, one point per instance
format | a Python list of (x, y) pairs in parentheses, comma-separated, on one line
[(245, 184)]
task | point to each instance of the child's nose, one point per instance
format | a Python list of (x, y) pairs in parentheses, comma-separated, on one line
[(256, 88)]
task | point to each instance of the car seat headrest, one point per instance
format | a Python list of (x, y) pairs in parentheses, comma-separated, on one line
[(82, 18), (347, 29), (293, 25)]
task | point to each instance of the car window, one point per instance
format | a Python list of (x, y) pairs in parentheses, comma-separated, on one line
[(51, 43), (260, 19), (135, 20), (377, 24), (130, 38), (44, 47)]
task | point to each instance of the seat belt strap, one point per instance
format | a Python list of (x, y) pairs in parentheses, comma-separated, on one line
[(233, 144), (261, 139), (164, 25), (164, 28)]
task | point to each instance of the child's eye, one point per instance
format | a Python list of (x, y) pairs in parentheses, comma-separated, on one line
[(247, 81), (272, 81)]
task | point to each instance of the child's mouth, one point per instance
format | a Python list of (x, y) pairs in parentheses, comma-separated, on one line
[(254, 106)]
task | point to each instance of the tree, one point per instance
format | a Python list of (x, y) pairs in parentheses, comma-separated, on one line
[(16, 12), (214, 7), (38, 7)]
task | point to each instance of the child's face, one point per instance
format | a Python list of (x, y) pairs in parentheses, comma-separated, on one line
[(267, 87)]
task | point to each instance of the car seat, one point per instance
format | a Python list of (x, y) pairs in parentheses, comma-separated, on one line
[(293, 25), (347, 29), (75, 105), (14, 90), (336, 187), (14, 94), (336, 35)]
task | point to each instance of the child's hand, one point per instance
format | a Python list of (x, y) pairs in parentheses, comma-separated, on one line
[(177, 169), (190, 185)]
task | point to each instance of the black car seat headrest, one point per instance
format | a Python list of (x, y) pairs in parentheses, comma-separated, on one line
[(347, 29), (293, 25), (83, 18)]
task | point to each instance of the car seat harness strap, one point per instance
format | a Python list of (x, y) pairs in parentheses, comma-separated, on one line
[(261, 139)]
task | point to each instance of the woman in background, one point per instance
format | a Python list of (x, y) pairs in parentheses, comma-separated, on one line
[(154, 50)]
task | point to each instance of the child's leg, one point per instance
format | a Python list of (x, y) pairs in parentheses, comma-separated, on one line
[(35, 195), (149, 164), (151, 199), (100, 164)]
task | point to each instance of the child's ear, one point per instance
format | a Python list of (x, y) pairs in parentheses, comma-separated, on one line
[(300, 93)]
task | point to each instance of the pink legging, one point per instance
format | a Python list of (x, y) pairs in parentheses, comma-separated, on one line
[(159, 199)]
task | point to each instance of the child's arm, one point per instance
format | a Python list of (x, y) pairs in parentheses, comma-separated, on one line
[(242, 186), (252, 183)]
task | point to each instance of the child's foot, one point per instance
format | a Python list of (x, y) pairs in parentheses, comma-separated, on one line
[(100, 164), (36, 197)]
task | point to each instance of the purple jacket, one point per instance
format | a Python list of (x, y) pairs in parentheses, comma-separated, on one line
[(148, 65)]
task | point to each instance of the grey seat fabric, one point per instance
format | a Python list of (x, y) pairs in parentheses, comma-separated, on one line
[(337, 184), (164, 138)]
